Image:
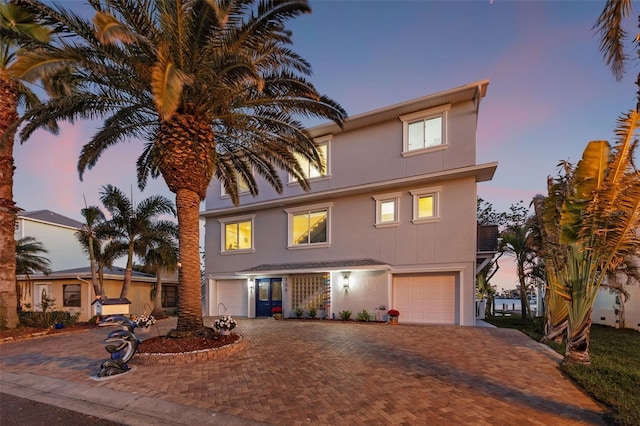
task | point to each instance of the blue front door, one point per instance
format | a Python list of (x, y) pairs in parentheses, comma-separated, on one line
[(268, 295)]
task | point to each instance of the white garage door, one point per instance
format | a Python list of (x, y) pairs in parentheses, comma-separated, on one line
[(426, 299), (233, 294)]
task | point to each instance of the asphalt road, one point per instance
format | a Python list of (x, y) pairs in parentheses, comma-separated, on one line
[(15, 411)]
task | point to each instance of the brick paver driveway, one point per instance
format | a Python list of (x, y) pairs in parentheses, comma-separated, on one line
[(331, 372)]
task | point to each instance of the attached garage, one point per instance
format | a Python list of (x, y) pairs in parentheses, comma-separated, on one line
[(233, 295), (426, 298)]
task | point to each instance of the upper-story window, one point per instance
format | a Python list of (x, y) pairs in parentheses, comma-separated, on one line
[(387, 209), (309, 226), (424, 131), (310, 169), (243, 186), (425, 204), (237, 234)]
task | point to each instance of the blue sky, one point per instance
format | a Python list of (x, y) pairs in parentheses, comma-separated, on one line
[(549, 93)]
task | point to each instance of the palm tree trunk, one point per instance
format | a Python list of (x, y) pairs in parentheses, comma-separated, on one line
[(8, 116), (577, 351), (127, 273), (158, 312), (94, 276), (189, 291), (524, 302)]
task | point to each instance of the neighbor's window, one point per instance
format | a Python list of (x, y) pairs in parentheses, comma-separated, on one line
[(425, 205), (309, 226), (310, 170), (237, 233), (424, 130), (71, 296), (387, 209)]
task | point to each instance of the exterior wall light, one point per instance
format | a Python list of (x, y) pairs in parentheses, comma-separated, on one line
[(345, 281)]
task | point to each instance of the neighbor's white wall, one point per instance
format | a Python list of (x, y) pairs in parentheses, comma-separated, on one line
[(64, 250)]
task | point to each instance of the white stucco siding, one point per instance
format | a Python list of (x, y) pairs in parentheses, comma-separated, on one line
[(63, 249), (367, 290)]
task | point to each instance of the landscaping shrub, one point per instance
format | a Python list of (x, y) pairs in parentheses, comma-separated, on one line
[(363, 316), (345, 315)]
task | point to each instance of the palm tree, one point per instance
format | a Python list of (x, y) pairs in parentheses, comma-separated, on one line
[(17, 28), (597, 225), (516, 239), (29, 260), (613, 37), (211, 86), (95, 243), (93, 216), (161, 256), (130, 225)]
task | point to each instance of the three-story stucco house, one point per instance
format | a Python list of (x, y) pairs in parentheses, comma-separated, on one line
[(389, 224)]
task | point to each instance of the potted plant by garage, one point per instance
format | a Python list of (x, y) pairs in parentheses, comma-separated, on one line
[(393, 316), (277, 312), (225, 324)]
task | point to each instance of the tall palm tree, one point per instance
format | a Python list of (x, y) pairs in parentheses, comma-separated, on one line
[(161, 256), (93, 217), (598, 227), (211, 86), (93, 237), (17, 28), (29, 260), (516, 239), (132, 225)]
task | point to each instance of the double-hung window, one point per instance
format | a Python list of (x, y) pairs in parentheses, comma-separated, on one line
[(310, 170), (424, 131), (387, 209), (309, 226), (237, 234), (425, 204), (243, 186)]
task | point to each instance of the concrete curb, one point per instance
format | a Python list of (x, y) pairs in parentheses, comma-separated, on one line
[(109, 404)]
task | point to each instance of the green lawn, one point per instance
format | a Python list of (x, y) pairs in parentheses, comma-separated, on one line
[(613, 378)]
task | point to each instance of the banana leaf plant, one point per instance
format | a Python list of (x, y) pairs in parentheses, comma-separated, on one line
[(598, 226)]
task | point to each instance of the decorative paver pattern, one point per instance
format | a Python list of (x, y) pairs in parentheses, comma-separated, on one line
[(331, 372)]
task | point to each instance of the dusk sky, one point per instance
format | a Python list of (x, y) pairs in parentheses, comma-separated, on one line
[(549, 93)]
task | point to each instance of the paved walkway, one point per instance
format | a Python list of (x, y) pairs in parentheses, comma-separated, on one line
[(313, 372)]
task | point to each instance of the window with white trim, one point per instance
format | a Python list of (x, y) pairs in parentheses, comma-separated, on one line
[(309, 226), (71, 296), (387, 213), (243, 186), (310, 170), (237, 234), (424, 131), (425, 205)]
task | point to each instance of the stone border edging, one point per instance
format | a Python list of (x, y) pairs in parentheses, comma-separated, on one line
[(190, 357)]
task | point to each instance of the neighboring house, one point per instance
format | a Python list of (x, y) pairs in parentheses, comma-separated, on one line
[(613, 309), (72, 290), (57, 235), (390, 223)]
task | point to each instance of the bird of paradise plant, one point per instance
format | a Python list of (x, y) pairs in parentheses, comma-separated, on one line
[(598, 226)]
